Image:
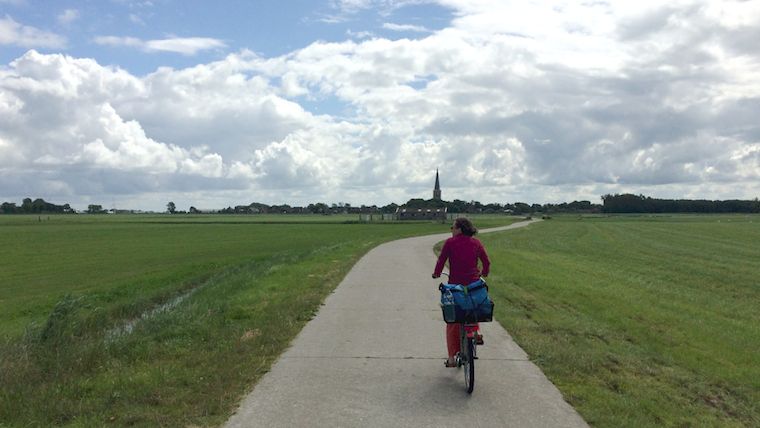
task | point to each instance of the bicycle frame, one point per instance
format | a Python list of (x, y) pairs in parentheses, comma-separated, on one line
[(468, 353)]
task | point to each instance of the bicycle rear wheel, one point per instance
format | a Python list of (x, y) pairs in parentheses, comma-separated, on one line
[(469, 364)]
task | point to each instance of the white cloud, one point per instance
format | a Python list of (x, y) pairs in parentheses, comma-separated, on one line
[(16, 34), (65, 117), (734, 14), (68, 16), (186, 46), (203, 164), (360, 34), (123, 145), (132, 42), (9, 156), (346, 7), (85, 119), (291, 85), (535, 102), (135, 19), (405, 27)]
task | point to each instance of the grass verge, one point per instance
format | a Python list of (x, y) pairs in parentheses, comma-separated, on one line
[(253, 287), (639, 321)]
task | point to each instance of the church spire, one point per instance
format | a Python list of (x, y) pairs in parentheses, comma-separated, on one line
[(437, 189)]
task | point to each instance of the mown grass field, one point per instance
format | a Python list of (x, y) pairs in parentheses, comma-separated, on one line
[(70, 284), (640, 321)]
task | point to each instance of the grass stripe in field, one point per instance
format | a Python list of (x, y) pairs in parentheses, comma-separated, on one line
[(640, 321)]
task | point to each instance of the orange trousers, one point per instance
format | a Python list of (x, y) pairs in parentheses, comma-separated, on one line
[(452, 337)]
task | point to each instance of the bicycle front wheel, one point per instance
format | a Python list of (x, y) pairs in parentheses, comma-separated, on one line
[(469, 365)]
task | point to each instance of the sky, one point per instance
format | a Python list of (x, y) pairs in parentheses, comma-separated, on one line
[(131, 104)]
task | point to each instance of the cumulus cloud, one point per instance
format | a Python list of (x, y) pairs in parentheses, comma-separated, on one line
[(213, 124), (17, 34), (182, 45), (62, 117), (551, 102)]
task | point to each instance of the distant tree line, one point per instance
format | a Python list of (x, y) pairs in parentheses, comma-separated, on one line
[(37, 206), (625, 203), (628, 203), (314, 208), (456, 206)]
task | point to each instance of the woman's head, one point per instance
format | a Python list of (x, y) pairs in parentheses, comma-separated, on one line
[(465, 226)]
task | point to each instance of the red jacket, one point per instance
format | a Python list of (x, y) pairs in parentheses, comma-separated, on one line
[(463, 253)]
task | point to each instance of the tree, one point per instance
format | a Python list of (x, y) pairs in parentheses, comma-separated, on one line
[(458, 206), (416, 203), (390, 208), (259, 208), (26, 205), (95, 209), (38, 205), (171, 207), (318, 208), (522, 208), (9, 208)]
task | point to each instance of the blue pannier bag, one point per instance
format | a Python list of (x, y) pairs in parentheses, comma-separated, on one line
[(466, 303)]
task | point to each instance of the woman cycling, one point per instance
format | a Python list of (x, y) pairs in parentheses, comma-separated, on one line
[(463, 252)]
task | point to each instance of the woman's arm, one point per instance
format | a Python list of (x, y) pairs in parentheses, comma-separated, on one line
[(483, 256), (441, 259)]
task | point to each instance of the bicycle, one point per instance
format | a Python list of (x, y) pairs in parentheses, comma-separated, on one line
[(468, 327)]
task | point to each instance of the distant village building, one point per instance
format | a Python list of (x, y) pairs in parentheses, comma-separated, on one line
[(437, 188), (404, 213), (429, 213)]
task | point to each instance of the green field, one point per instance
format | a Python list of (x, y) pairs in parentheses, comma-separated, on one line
[(640, 321), (70, 286)]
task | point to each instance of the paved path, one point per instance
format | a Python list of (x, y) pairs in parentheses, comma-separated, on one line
[(373, 357)]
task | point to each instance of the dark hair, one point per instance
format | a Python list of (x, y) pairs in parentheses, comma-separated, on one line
[(465, 225)]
